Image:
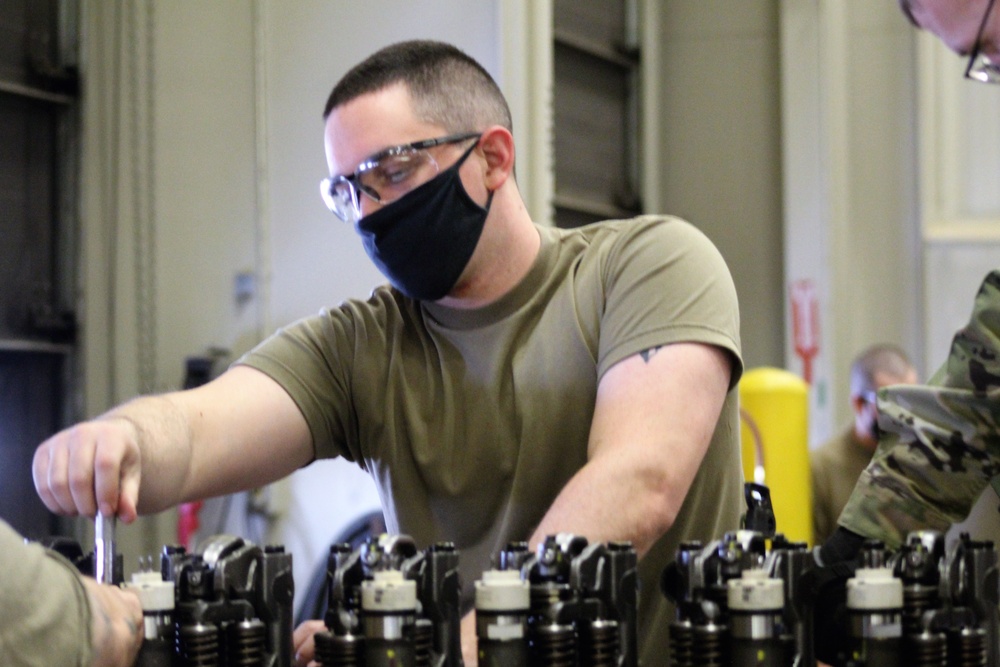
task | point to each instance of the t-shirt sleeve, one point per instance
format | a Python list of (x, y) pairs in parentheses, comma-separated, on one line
[(666, 282), (44, 609), (310, 360), (941, 441)]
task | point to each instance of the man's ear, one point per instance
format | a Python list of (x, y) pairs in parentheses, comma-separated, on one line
[(497, 145)]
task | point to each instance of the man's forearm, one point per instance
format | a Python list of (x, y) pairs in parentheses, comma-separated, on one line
[(239, 431), (164, 438), (610, 500), (654, 418)]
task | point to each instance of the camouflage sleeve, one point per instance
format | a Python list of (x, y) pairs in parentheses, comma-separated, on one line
[(941, 441)]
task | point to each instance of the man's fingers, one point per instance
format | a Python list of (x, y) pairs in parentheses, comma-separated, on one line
[(40, 475), (89, 467), (107, 467), (470, 653), (80, 473), (124, 469), (303, 642), (58, 479), (128, 498)]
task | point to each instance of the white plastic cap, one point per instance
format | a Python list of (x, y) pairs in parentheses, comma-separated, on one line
[(389, 591), (502, 590), (155, 594), (755, 591), (874, 588)]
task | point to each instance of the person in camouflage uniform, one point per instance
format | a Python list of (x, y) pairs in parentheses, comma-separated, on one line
[(837, 464), (940, 445), (941, 442)]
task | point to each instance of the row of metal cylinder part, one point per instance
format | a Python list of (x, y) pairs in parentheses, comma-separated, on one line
[(742, 600), (569, 603)]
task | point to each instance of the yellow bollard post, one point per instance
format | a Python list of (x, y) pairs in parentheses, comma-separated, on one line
[(774, 406)]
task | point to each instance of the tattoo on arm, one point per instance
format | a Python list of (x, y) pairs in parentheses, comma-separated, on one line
[(103, 634), (648, 353)]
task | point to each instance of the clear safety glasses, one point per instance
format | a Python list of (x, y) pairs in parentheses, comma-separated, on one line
[(385, 176)]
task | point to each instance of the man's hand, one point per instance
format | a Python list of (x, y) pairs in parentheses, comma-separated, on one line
[(304, 642), (115, 624), (241, 430), (93, 465), (470, 643)]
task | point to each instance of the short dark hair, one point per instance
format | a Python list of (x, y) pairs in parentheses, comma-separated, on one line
[(447, 87), (882, 358)]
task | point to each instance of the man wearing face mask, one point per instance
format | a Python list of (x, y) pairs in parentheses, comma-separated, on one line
[(837, 463), (513, 381)]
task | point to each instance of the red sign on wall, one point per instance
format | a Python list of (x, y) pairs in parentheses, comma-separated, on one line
[(805, 325)]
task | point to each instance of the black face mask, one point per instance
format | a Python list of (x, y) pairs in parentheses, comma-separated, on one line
[(875, 431), (423, 241)]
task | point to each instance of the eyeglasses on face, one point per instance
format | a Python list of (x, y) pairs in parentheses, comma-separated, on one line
[(385, 176), (980, 67)]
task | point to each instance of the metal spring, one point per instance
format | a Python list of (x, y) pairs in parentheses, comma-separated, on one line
[(681, 644), (548, 594), (422, 635), (246, 644), (927, 649), (709, 649), (599, 643), (916, 600), (198, 645), (553, 646), (339, 651), (967, 647)]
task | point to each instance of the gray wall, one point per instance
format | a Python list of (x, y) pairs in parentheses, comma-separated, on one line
[(720, 113), (849, 170)]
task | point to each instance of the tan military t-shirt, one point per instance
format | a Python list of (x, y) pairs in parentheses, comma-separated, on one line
[(835, 466), (472, 421)]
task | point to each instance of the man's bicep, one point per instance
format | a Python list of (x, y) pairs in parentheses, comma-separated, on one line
[(246, 432), (662, 406)]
